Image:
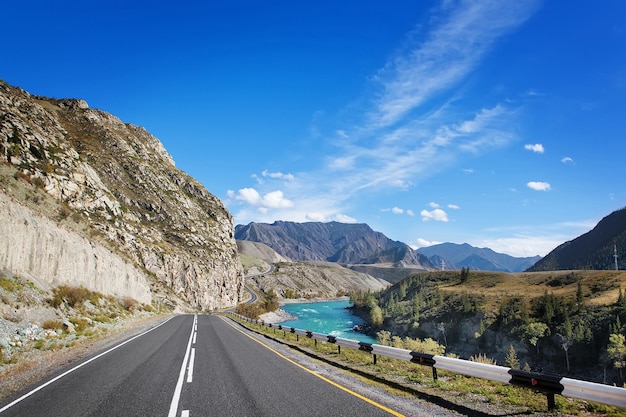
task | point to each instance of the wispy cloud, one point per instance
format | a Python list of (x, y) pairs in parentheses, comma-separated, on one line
[(401, 137), (459, 38), (567, 160)]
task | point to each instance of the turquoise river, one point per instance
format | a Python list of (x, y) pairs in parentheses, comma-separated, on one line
[(328, 317)]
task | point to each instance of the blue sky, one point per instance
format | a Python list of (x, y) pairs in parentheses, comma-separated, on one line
[(499, 124)]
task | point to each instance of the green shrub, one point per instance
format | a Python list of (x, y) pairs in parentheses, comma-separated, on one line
[(9, 285)]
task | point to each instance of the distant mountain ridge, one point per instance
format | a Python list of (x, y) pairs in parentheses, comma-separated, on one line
[(457, 256), (592, 250), (333, 242), (358, 244)]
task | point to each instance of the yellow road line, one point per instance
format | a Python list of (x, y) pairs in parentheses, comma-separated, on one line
[(341, 387)]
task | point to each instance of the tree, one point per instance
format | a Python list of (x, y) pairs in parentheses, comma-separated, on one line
[(566, 343), (465, 274), (376, 316), (442, 329), (580, 297), (416, 307), (532, 332), (616, 350), (511, 359)]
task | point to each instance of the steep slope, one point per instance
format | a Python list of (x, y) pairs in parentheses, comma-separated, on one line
[(592, 250), (121, 185), (316, 279), (333, 242), (457, 256)]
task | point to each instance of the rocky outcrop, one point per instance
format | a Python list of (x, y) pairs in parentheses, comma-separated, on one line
[(120, 183)]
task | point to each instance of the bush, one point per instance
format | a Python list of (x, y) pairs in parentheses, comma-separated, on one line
[(129, 304), (52, 324), (72, 296), (482, 358), (8, 284)]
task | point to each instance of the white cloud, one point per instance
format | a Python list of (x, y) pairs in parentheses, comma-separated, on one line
[(537, 147), (344, 218), (342, 133), (400, 137), (453, 48), (315, 217), (398, 210), (422, 243), (432, 204), (453, 207), (567, 159), (437, 215), (342, 163), (538, 185), (274, 199), (279, 175)]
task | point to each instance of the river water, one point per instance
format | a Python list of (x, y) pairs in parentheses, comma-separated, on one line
[(328, 317)]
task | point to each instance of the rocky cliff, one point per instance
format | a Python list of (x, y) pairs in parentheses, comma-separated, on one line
[(115, 186)]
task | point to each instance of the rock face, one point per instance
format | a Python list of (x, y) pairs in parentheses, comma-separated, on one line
[(35, 247), (120, 183)]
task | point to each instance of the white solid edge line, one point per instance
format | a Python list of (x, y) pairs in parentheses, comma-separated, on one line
[(28, 394), (181, 375)]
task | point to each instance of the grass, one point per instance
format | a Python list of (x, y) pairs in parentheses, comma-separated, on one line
[(9, 284), (417, 380)]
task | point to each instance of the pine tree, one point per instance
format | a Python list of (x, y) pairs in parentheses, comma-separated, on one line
[(511, 359)]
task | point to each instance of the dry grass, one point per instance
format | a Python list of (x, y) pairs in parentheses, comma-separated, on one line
[(599, 287)]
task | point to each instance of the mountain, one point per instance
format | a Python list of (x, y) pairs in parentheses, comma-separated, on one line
[(457, 256), (333, 242), (88, 200), (592, 250)]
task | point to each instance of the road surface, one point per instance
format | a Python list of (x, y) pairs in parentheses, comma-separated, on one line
[(190, 366)]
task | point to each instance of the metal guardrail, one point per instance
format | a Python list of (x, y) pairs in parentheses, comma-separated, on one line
[(550, 385)]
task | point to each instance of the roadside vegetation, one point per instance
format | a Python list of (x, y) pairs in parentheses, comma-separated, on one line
[(268, 301), (569, 323), (33, 321), (464, 394)]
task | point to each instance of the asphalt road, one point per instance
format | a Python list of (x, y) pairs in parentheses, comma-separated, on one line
[(190, 366)]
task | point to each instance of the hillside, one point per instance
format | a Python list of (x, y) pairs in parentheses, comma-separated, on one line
[(593, 250), (89, 200), (487, 312), (333, 242), (315, 279), (300, 279), (455, 256)]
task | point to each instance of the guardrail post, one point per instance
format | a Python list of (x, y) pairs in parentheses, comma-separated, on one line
[(547, 384), (425, 359)]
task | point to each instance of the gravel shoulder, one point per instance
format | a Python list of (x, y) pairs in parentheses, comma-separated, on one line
[(40, 365)]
